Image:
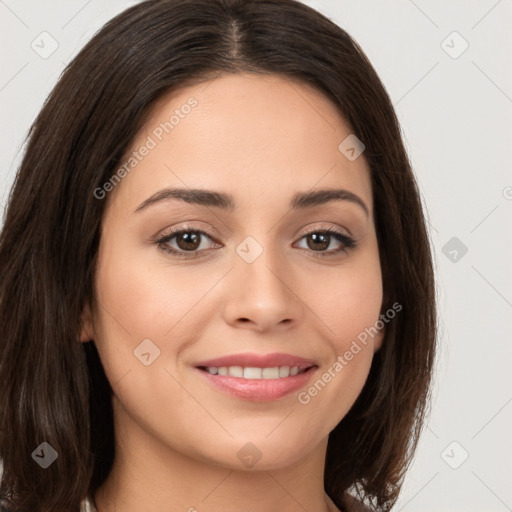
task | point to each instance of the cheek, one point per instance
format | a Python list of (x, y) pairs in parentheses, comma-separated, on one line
[(349, 304), (146, 297), (143, 313), (137, 302), (349, 300)]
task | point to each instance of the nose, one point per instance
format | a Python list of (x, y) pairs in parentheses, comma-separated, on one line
[(261, 295)]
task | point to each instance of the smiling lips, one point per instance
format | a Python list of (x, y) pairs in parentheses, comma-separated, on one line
[(258, 377)]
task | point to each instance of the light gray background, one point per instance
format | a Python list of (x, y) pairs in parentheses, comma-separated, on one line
[(456, 117)]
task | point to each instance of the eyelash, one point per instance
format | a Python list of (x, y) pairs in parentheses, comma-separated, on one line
[(347, 242)]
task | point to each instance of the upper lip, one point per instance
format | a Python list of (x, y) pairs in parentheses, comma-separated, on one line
[(259, 361)]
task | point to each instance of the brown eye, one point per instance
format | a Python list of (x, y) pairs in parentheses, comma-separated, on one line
[(320, 240), (183, 241), (188, 240)]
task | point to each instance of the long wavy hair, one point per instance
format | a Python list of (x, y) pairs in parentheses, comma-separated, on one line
[(53, 388)]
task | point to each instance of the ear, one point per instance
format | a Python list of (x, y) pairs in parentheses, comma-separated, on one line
[(87, 329)]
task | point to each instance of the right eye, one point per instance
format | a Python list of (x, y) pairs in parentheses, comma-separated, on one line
[(188, 242)]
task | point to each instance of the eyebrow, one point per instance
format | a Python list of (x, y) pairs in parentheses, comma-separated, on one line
[(223, 201)]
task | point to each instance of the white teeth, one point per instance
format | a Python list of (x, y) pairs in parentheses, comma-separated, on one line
[(275, 372), (236, 371), (270, 373), (284, 371), (252, 373)]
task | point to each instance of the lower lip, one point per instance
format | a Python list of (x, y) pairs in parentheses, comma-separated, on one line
[(259, 390)]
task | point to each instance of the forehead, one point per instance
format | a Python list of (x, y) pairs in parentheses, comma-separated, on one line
[(251, 135)]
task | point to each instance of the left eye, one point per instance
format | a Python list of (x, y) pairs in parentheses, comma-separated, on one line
[(189, 242), (322, 240)]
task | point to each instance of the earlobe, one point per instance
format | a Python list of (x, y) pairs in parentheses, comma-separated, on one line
[(87, 330)]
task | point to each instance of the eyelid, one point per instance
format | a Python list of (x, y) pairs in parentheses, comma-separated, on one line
[(213, 233), (173, 231), (322, 227)]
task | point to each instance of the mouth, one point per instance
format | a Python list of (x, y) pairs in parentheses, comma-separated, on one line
[(255, 373), (257, 377)]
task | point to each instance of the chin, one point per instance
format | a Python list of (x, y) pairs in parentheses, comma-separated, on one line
[(260, 452)]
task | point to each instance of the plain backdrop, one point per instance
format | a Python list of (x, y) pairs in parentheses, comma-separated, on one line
[(446, 66)]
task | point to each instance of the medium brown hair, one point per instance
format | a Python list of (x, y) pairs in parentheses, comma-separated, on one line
[(53, 387)]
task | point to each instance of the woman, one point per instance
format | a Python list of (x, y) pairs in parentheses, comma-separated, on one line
[(216, 282)]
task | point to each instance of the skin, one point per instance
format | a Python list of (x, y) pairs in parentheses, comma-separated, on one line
[(261, 139)]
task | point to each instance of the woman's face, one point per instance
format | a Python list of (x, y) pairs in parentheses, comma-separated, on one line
[(265, 287)]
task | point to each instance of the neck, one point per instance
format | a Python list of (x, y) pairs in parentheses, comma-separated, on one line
[(148, 475)]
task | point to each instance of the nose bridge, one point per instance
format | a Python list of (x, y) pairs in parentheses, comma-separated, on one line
[(262, 290), (261, 266)]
